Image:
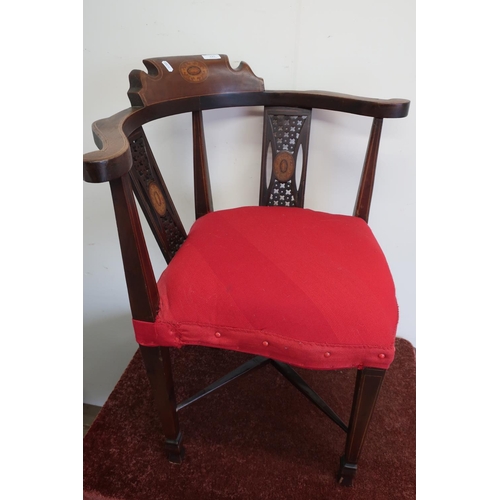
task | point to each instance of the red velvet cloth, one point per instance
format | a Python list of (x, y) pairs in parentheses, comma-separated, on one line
[(307, 288)]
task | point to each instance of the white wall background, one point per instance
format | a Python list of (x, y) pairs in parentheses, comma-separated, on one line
[(358, 47)]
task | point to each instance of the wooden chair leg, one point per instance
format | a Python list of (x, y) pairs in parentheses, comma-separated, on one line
[(368, 383), (159, 370)]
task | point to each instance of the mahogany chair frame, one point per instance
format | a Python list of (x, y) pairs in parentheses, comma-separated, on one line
[(193, 84)]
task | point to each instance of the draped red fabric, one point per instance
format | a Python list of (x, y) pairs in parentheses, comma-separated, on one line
[(304, 287)]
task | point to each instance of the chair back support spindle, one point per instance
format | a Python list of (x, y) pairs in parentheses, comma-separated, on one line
[(202, 190), (365, 189)]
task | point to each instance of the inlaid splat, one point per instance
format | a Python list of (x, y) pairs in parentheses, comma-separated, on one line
[(286, 131), (154, 198)]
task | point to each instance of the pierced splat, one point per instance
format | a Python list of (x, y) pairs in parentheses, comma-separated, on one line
[(154, 197), (286, 135)]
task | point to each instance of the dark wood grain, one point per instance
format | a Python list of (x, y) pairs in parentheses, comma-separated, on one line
[(368, 384), (141, 282), (367, 181), (159, 370), (176, 77), (111, 134), (202, 190)]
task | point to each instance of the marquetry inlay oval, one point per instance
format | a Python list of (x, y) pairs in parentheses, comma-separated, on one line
[(283, 166), (194, 71), (157, 199)]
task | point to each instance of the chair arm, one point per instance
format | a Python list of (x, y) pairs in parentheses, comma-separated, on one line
[(376, 108), (114, 158)]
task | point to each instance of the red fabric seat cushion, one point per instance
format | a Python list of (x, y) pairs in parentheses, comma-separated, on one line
[(304, 287)]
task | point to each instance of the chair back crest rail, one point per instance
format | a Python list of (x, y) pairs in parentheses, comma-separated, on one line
[(180, 84)]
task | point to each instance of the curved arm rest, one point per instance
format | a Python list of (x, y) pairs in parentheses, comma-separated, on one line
[(114, 158), (376, 108)]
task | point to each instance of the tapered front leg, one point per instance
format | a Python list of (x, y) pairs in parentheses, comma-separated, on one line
[(368, 383), (159, 370)]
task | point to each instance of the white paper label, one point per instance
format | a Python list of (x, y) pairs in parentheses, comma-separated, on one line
[(211, 56), (165, 63)]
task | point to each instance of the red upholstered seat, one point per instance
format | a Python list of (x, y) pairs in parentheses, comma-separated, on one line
[(307, 288)]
